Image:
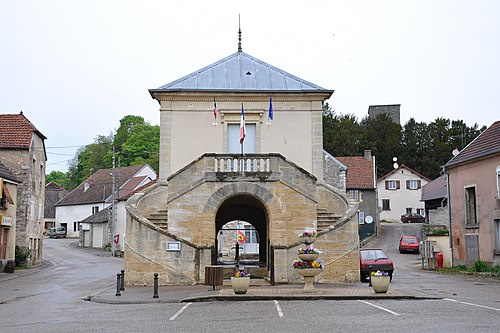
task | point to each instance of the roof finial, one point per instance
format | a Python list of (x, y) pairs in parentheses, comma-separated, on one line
[(239, 34)]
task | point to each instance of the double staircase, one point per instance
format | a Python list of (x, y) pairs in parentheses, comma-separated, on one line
[(326, 219), (160, 219)]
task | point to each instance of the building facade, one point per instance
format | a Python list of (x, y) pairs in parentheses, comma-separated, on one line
[(210, 176), (8, 199), (22, 151)]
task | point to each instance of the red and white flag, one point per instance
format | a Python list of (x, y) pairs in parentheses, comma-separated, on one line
[(243, 131), (215, 110)]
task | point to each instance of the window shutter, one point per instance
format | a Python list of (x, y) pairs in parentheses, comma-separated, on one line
[(398, 185), (419, 184), (386, 184), (407, 184)]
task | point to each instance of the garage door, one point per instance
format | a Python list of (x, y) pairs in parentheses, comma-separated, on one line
[(97, 235)]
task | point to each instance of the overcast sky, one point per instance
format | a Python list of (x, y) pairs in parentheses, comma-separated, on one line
[(75, 68)]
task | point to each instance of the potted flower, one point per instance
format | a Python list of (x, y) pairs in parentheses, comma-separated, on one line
[(380, 281), (307, 268), (308, 237), (308, 254), (240, 281)]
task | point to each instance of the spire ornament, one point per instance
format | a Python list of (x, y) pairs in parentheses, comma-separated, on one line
[(239, 34)]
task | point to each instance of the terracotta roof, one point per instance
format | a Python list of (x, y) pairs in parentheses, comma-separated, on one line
[(99, 186), (435, 189), (402, 166), (54, 186), (485, 144), (130, 186), (16, 131), (137, 190), (360, 173)]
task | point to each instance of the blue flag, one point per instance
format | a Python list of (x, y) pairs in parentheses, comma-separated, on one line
[(271, 108)]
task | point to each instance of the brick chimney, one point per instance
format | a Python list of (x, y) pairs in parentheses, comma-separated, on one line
[(368, 155)]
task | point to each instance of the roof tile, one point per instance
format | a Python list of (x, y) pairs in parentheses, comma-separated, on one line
[(360, 172)]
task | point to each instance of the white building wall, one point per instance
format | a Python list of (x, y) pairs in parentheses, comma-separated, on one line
[(71, 214), (401, 198)]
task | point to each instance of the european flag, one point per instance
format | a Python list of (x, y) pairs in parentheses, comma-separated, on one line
[(271, 108)]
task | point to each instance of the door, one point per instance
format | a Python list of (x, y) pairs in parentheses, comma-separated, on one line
[(5, 239), (233, 139), (97, 231)]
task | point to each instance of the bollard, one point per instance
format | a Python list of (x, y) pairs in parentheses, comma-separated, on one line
[(122, 282), (118, 279), (155, 287)]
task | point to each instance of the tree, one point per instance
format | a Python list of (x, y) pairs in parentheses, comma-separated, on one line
[(60, 178), (341, 134)]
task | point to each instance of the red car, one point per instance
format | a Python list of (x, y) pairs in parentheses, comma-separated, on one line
[(408, 244), (413, 217), (372, 260)]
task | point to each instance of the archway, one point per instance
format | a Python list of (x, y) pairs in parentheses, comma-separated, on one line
[(248, 214)]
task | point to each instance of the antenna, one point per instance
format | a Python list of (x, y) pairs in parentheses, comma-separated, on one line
[(239, 33)]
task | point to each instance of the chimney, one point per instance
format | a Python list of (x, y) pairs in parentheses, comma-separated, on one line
[(368, 155)]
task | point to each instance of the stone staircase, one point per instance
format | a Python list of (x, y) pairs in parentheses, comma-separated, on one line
[(325, 219), (160, 219)]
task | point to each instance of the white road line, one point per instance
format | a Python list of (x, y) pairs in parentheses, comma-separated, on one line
[(278, 308), (379, 307), (472, 304), (180, 311)]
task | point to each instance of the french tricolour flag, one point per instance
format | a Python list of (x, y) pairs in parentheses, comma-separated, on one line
[(243, 131)]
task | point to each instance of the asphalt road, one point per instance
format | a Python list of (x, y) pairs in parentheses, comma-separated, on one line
[(51, 301)]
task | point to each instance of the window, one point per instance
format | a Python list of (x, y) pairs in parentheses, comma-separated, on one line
[(413, 184), (386, 204), (470, 206), (233, 139), (95, 210), (392, 185), (420, 211), (75, 226), (408, 210), (498, 182), (361, 217), (354, 195)]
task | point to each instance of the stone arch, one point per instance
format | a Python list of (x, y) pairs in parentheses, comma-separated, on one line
[(227, 191)]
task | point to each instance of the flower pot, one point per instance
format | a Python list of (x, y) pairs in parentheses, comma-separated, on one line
[(10, 267), (380, 284), (240, 284), (308, 256), (308, 274), (307, 239)]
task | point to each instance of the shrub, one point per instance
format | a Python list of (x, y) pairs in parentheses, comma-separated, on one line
[(22, 255), (480, 266)]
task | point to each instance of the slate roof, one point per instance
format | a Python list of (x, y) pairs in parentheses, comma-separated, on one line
[(360, 173), (402, 166), (100, 186), (125, 197), (484, 145), (435, 189), (16, 131), (240, 72), (101, 216)]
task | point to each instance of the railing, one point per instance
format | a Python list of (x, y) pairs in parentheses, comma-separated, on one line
[(242, 164)]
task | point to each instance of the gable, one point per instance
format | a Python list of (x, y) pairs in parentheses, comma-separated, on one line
[(360, 174), (16, 131)]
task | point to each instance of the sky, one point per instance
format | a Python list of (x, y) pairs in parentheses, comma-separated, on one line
[(75, 68)]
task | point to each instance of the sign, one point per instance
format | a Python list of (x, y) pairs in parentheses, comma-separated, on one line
[(173, 246), (6, 221)]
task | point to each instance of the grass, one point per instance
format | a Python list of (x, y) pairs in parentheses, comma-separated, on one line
[(480, 266)]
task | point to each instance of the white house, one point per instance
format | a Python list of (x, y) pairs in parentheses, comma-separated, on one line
[(95, 194), (399, 192)]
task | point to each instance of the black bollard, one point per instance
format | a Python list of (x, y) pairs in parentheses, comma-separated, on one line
[(122, 282), (155, 286), (118, 279)]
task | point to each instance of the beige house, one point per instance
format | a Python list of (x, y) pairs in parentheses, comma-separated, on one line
[(399, 192), (273, 181), (8, 199), (22, 151)]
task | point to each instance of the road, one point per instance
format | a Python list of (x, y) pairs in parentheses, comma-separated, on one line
[(51, 301)]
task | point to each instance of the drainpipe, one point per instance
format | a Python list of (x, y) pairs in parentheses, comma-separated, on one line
[(449, 213)]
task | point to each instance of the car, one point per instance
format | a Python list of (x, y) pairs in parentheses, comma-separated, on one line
[(57, 232), (372, 260), (408, 244), (413, 217)]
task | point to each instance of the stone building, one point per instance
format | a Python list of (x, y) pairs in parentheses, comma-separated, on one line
[(392, 110), (8, 199), (53, 193), (22, 150), (273, 179)]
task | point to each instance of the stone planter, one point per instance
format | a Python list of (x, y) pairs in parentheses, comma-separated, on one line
[(240, 284), (308, 256), (308, 274), (380, 284)]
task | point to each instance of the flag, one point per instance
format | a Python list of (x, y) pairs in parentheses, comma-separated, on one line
[(215, 110), (241, 237), (243, 131), (271, 115)]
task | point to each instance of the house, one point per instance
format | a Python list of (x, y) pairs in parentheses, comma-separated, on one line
[(399, 192), (53, 194), (8, 199), (361, 187), (22, 151), (240, 141), (435, 198), (95, 194), (474, 198)]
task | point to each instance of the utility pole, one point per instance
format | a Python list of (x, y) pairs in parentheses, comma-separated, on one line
[(113, 210)]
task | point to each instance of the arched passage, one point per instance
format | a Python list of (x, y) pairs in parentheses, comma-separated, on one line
[(247, 208)]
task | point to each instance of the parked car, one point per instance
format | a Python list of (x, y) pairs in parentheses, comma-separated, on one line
[(57, 232), (413, 217), (408, 244), (372, 260)]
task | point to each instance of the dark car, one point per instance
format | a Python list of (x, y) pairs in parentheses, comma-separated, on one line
[(408, 244), (413, 217), (372, 260)]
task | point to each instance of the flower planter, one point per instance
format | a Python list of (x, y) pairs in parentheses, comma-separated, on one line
[(380, 284), (308, 256), (10, 267), (308, 274), (240, 284), (307, 239)]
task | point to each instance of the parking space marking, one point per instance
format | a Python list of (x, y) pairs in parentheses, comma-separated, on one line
[(180, 311), (472, 304), (278, 308), (379, 307)]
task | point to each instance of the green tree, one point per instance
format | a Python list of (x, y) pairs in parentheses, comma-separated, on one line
[(341, 134), (60, 178), (127, 127), (142, 146)]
